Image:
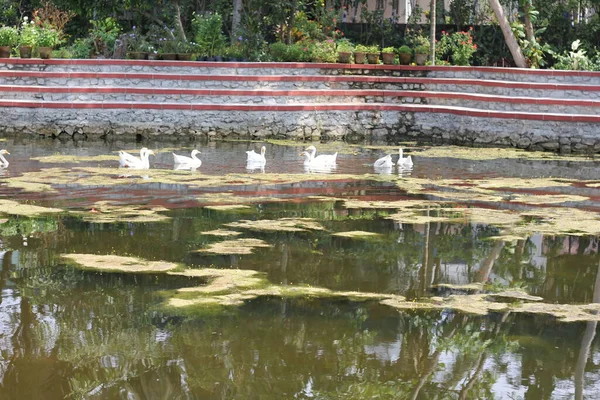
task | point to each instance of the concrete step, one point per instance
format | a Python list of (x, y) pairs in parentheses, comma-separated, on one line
[(316, 96), (284, 82), (280, 68)]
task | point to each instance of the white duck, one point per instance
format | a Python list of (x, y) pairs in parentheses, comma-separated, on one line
[(404, 162), (129, 161), (255, 158), (322, 159), (3, 161), (316, 164), (183, 162), (384, 162)]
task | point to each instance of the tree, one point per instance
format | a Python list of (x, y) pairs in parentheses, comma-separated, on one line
[(509, 36)]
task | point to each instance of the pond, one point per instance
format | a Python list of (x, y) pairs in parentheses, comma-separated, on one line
[(473, 275)]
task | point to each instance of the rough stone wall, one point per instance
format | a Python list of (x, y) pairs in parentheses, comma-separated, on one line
[(305, 125)]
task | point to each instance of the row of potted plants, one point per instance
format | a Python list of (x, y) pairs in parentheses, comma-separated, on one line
[(31, 35), (360, 54)]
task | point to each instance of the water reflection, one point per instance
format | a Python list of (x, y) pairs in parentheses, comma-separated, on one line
[(66, 332)]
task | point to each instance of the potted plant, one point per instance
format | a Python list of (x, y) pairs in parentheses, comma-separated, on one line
[(404, 55), (9, 37), (48, 37), (185, 50), (360, 54), (421, 54), (138, 47), (388, 55), (345, 48), (373, 54), (167, 49), (28, 35)]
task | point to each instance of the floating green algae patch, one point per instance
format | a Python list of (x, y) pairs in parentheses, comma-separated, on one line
[(237, 246), (73, 159), (356, 234), (227, 207), (113, 263), (278, 225), (492, 153), (232, 287), (27, 210), (221, 232), (105, 212)]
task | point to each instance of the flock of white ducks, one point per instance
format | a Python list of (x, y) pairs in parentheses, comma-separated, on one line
[(312, 161)]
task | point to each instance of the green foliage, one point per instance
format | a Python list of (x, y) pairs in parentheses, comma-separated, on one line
[(48, 36), (104, 33), (208, 34), (286, 53), (136, 41), (81, 48), (576, 59), (28, 34), (324, 51), (404, 49), (388, 50), (9, 36), (361, 48), (345, 46), (459, 47), (373, 49)]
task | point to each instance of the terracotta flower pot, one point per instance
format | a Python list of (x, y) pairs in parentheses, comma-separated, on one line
[(45, 52), (421, 59), (184, 56), (25, 51), (169, 56), (373, 58), (360, 57), (345, 57), (137, 55), (5, 51), (388, 58), (404, 58)]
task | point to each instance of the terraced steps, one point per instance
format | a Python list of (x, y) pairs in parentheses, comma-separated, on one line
[(522, 108)]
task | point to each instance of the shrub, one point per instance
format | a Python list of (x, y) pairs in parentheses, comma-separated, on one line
[(345, 46), (104, 33), (48, 36), (28, 35), (81, 48), (9, 36), (208, 34), (387, 50), (324, 51), (459, 45), (373, 49), (422, 49), (404, 50), (361, 48)]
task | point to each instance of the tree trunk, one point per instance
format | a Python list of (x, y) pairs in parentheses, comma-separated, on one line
[(178, 20), (528, 24), (433, 27), (509, 36), (236, 20)]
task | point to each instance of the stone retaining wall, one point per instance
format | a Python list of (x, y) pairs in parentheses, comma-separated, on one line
[(373, 126)]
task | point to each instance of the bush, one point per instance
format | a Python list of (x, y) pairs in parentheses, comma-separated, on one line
[(324, 51), (9, 36), (48, 37), (404, 50), (28, 35), (286, 53), (360, 48), (208, 34), (373, 49), (345, 46), (81, 48), (387, 50)]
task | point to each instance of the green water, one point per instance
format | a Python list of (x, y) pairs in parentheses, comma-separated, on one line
[(71, 333)]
